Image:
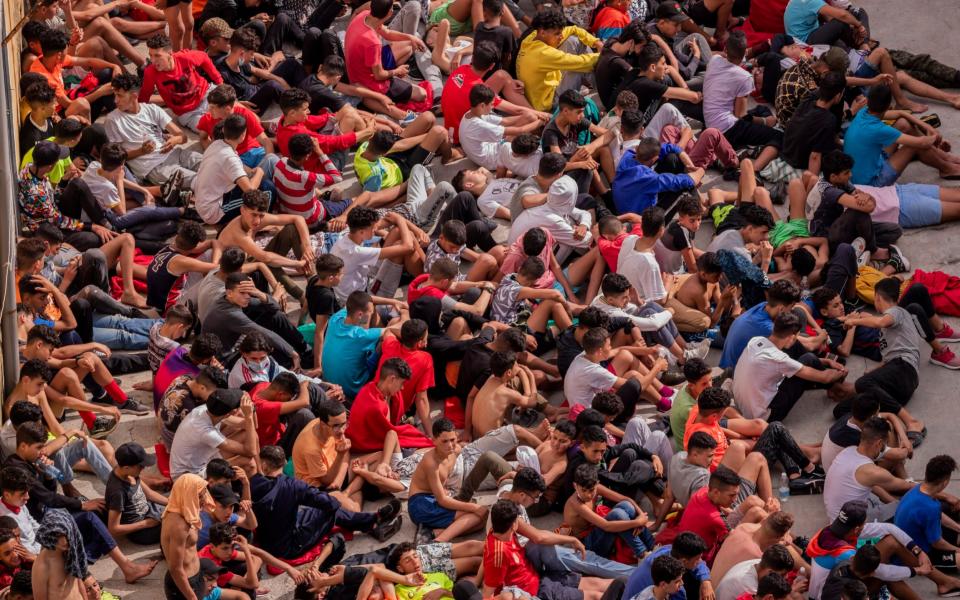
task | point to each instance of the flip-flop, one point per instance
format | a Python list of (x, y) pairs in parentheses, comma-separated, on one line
[(951, 593), (916, 438)]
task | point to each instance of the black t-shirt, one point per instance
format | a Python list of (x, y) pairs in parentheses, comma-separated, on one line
[(475, 366), (240, 80), (322, 96), (649, 93), (129, 500), (811, 129), (843, 435), (567, 142), (502, 39), (321, 300), (676, 237), (610, 73), (838, 577), (352, 580), (30, 135), (829, 209), (568, 348)]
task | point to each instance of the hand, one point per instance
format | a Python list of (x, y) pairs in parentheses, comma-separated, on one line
[(925, 567), (706, 591), (76, 36), (660, 365), (766, 251), (296, 575), (883, 79), (262, 17), (93, 505), (800, 586), (694, 47), (147, 147), (480, 511), (335, 392), (580, 232), (414, 579), (246, 406), (657, 465), (240, 475), (858, 103), (98, 347), (343, 445), (85, 361), (336, 224), (171, 141), (581, 154), (401, 71), (103, 233), (418, 44)]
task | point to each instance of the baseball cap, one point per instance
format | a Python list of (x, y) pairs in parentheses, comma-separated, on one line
[(214, 28), (47, 153), (208, 568), (672, 12), (132, 454), (224, 495), (852, 514), (222, 402)]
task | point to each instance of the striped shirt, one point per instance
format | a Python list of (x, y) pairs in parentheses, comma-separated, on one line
[(297, 188)]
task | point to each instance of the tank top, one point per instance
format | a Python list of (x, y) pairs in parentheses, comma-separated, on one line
[(163, 288), (842, 485)]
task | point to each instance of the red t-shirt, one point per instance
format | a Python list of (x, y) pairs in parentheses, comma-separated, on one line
[(183, 87), (455, 101), (421, 364), (416, 289), (269, 427), (207, 552), (712, 429), (506, 564), (361, 49), (328, 143), (702, 517), (254, 129), (610, 249)]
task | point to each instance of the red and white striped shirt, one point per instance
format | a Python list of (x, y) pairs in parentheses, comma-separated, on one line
[(297, 188)]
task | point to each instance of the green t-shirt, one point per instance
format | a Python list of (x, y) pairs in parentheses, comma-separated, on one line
[(376, 175), (433, 581), (58, 170), (682, 403)]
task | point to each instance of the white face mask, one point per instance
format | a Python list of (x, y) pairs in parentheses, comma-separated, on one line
[(260, 366)]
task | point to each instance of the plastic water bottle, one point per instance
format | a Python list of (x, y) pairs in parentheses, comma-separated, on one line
[(784, 488)]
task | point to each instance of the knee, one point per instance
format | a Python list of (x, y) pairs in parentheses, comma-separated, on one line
[(498, 79), (486, 260), (437, 131), (127, 239), (712, 134)]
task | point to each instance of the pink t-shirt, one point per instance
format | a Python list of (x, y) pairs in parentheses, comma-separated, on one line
[(888, 203), (515, 258), (361, 48)]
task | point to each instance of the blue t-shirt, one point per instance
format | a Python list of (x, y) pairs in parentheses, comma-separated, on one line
[(918, 515), (348, 353), (635, 186), (755, 322), (641, 579), (865, 140), (802, 18), (206, 522)]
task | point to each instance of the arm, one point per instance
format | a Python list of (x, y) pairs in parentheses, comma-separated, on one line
[(586, 513), (859, 201), (118, 529), (677, 93), (318, 336), (248, 447), (664, 509), (440, 493)]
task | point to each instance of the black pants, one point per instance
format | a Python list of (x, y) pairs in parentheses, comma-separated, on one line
[(103, 104), (830, 33), (778, 446), (588, 202), (691, 110), (791, 389), (283, 29), (854, 223), (893, 382), (146, 537), (747, 133), (121, 363), (172, 592), (670, 163), (294, 422), (318, 44), (464, 208), (840, 272), (917, 300)]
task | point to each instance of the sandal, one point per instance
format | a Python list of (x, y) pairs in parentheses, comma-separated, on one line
[(916, 438)]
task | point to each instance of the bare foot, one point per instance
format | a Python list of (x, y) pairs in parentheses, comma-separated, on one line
[(143, 386), (132, 298), (914, 107), (951, 173), (139, 571), (955, 103), (454, 156)]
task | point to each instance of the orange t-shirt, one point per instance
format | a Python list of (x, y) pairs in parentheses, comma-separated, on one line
[(54, 77), (312, 459), (712, 429)]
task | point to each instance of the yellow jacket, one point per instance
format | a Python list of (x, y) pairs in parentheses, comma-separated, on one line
[(540, 67)]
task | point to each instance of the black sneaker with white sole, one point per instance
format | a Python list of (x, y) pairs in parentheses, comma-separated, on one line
[(102, 427), (384, 531), (133, 407), (807, 484)]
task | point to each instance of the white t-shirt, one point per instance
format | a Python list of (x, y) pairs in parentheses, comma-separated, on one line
[(220, 168), (586, 379), (520, 166), (757, 376), (195, 444), (740, 579), (481, 138), (498, 193), (104, 190), (132, 130), (358, 262), (730, 239), (723, 83), (641, 269)]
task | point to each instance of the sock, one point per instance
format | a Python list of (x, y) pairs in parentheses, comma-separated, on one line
[(88, 418), (389, 276), (118, 396), (666, 391)]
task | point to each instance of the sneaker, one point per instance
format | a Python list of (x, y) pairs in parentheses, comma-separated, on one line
[(854, 305), (898, 260), (102, 427), (672, 376), (424, 535), (665, 404), (731, 174), (946, 359), (697, 349), (191, 214), (388, 511), (410, 118), (170, 190), (384, 531), (806, 485), (947, 334), (722, 377), (133, 407), (860, 248)]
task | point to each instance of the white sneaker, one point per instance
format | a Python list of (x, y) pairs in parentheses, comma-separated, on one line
[(697, 349), (860, 247)]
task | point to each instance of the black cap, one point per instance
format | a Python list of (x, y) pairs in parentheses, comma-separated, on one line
[(852, 514), (223, 402), (132, 454), (671, 11), (466, 590), (208, 568), (47, 153), (224, 495)]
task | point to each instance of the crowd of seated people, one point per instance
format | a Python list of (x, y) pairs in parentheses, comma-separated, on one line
[(505, 296)]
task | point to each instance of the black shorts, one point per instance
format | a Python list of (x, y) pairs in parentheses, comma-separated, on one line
[(408, 158), (556, 590), (172, 3), (400, 90), (701, 15), (172, 592)]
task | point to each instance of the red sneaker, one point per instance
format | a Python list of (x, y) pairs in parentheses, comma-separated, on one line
[(946, 359), (947, 334)]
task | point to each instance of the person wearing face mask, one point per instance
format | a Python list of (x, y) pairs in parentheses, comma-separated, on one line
[(256, 366)]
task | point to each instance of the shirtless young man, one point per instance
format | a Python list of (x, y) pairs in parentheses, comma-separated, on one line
[(696, 299), (179, 527), (429, 503), (497, 395), (294, 235), (54, 578), (551, 459)]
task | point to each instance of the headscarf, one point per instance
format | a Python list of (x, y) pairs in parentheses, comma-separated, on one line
[(58, 523), (562, 196), (185, 498)]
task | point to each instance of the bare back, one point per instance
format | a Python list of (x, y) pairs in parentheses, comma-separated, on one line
[(693, 292), (50, 578), (490, 406)]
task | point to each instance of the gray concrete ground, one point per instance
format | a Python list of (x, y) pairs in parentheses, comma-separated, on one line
[(926, 29)]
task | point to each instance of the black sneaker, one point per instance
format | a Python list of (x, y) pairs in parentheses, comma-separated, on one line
[(191, 214), (388, 511), (818, 472), (723, 376), (384, 531), (731, 174), (170, 190), (806, 485), (133, 407), (102, 427), (945, 561), (424, 535)]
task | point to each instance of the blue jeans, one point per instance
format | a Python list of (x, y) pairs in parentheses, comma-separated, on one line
[(593, 565), (601, 541), (76, 450), (122, 333), (140, 216)]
